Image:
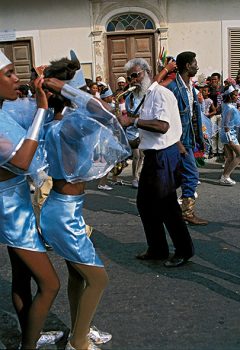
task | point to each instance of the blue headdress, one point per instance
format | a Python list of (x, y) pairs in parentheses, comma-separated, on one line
[(78, 79), (106, 92)]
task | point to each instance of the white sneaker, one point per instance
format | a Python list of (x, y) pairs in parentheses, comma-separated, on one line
[(99, 337), (226, 181), (91, 346), (105, 188), (233, 182), (135, 183), (49, 338)]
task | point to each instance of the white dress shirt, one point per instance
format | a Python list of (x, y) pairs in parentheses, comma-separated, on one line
[(160, 103)]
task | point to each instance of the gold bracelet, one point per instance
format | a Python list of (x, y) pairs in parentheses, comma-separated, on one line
[(166, 69)]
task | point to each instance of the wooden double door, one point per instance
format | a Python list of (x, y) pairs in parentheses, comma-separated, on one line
[(122, 48), (20, 54)]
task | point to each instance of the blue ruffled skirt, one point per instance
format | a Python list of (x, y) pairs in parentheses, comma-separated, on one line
[(64, 229), (18, 223)]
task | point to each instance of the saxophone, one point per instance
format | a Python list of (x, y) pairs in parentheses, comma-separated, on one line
[(118, 168), (117, 109)]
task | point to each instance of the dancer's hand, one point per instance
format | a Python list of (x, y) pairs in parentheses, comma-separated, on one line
[(41, 97), (171, 66), (53, 84)]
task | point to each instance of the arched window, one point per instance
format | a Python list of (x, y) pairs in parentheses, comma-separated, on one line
[(130, 21)]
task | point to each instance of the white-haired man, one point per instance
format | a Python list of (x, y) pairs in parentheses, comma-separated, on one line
[(160, 131)]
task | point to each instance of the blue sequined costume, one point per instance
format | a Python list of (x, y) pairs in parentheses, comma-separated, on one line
[(230, 120), (83, 146), (64, 229), (17, 225)]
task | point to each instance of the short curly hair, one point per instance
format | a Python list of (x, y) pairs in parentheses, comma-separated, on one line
[(183, 58), (141, 62)]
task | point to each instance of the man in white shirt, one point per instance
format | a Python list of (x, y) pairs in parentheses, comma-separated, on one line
[(160, 131)]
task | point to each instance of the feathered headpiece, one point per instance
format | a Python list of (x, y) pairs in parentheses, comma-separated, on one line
[(162, 58)]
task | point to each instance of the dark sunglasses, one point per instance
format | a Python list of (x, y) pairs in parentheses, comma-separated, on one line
[(134, 75)]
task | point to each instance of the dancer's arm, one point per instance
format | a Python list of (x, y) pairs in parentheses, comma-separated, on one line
[(24, 155)]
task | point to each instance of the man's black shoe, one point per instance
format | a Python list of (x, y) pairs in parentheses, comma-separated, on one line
[(151, 256), (176, 261)]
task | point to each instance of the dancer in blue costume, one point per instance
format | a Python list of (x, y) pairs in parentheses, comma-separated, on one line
[(229, 134), (84, 145), (18, 225)]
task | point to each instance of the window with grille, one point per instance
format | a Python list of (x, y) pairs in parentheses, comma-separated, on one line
[(130, 21), (234, 51)]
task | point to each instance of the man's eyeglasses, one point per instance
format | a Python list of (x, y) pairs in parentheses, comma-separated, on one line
[(134, 75)]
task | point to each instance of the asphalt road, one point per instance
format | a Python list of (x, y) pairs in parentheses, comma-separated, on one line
[(147, 306)]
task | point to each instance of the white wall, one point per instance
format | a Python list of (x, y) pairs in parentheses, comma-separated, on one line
[(202, 10), (55, 26), (205, 41), (57, 43), (201, 26), (58, 26), (43, 14)]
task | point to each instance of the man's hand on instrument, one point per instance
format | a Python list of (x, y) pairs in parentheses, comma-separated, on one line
[(125, 120)]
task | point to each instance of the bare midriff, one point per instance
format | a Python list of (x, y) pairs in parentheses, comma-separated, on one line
[(64, 187)]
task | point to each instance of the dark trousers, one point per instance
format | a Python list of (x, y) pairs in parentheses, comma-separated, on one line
[(158, 206)]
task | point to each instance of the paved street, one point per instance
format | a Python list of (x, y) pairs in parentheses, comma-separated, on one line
[(146, 306)]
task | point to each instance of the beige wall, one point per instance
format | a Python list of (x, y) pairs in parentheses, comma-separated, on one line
[(205, 41), (202, 10), (55, 27), (58, 26), (56, 43), (44, 14), (202, 26)]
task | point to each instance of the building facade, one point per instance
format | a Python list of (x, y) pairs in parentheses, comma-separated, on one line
[(105, 33)]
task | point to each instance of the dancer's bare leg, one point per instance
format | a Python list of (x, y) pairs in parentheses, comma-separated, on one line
[(21, 288), (76, 284), (32, 313), (232, 154), (96, 280)]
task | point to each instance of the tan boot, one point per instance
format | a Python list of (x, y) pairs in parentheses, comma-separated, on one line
[(188, 212)]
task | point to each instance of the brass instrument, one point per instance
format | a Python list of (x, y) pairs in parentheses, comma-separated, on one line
[(117, 109)]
